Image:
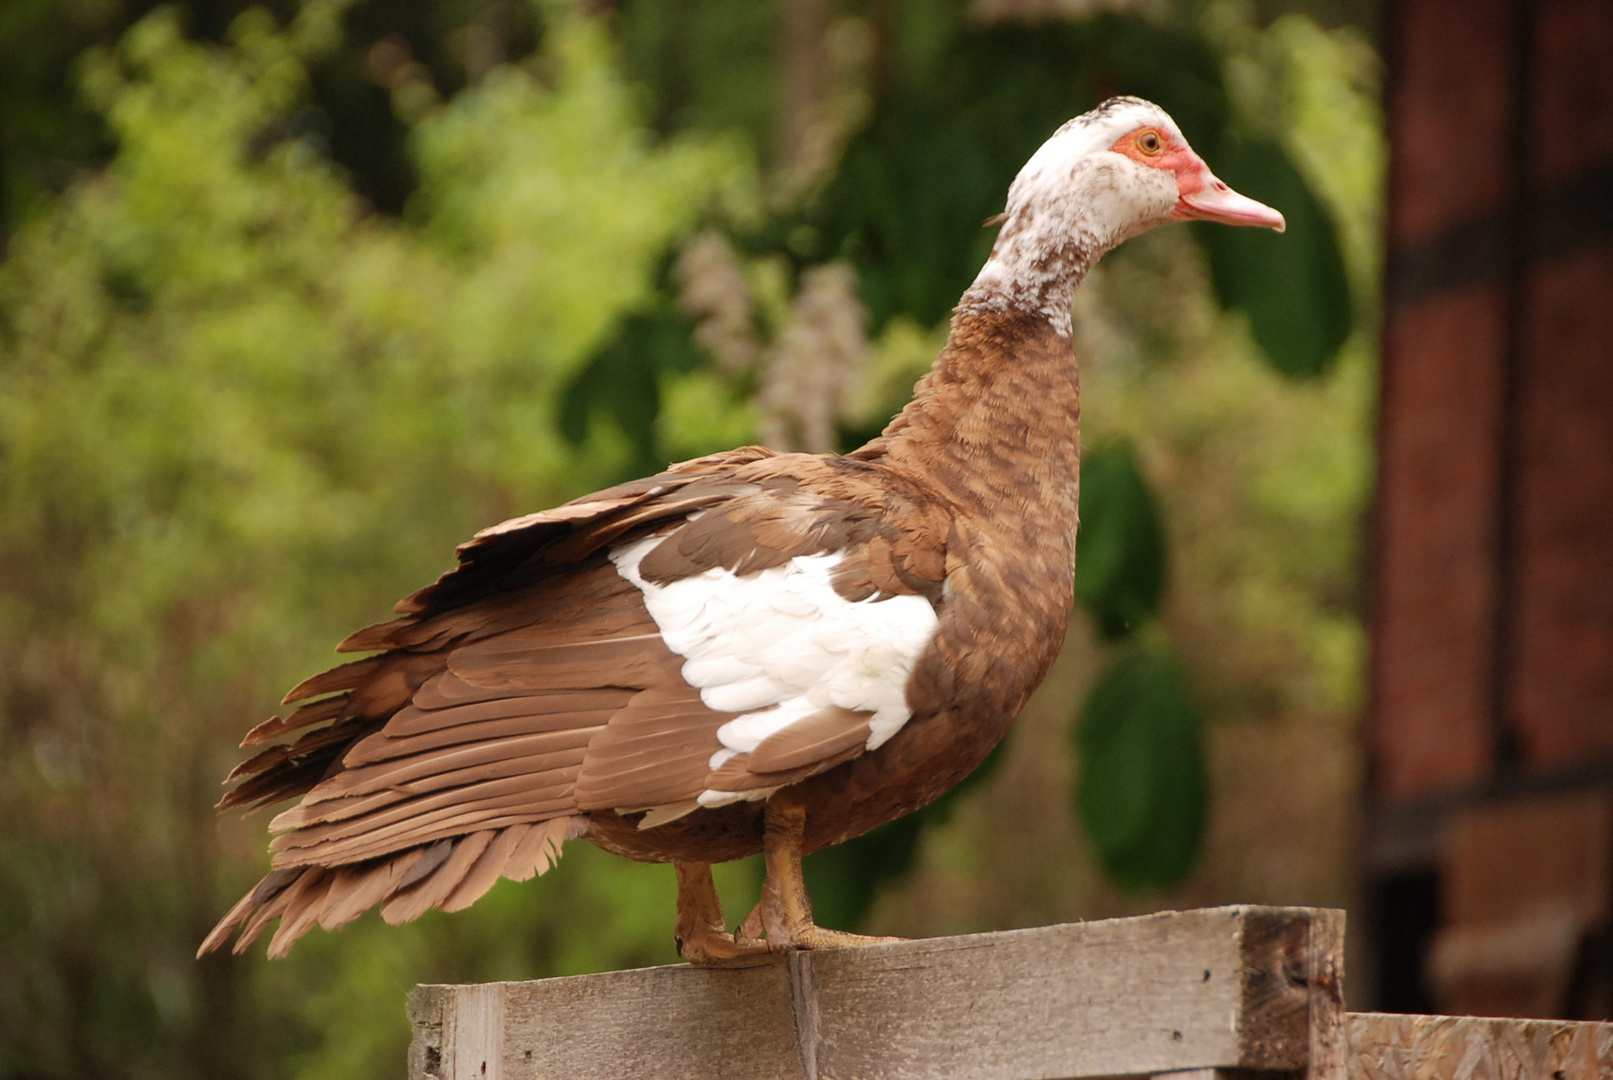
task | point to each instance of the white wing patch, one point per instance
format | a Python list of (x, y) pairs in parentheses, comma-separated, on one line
[(781, 644)]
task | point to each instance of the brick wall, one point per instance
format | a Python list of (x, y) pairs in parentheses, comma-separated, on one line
[(1493, 546), (1490, 852)]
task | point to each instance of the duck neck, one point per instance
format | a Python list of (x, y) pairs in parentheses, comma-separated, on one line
[(999, 413), (995, 424), (1034, 270)]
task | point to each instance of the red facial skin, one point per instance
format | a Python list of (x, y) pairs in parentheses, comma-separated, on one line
[(1200, 195)]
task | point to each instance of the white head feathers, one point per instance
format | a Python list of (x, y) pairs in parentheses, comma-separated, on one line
[(1085, 190), (1052, 179)]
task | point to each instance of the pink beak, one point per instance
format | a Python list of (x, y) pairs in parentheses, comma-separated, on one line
[(1205, 198)]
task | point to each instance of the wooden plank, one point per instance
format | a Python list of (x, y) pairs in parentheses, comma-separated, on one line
[(652, 1023), (1328, 1055), (1393, 1046), (458, 1031), (1221, 988), (1217, 988)]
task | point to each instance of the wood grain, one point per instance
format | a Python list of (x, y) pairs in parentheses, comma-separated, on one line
[(1329, 1046), (665, 1023), (1391, 1046), (1219, 988), (1185, 990)]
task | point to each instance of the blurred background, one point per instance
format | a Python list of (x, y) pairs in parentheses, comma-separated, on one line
[(296, 296)]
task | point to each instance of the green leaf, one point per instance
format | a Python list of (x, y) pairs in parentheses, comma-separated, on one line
[(1140, 787), (1293, 285), (622, 381), (1120, 550)]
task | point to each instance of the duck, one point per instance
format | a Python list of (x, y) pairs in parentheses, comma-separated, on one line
[(750, 652)]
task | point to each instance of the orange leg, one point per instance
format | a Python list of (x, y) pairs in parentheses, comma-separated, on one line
[(702, 933), (786, 910)]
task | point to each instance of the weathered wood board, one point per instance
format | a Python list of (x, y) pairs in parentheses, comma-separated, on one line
[(1219, 988), (673, 1021), (1394, 1046)]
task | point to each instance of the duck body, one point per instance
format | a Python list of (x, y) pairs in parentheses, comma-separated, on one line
[(750, 652), (1000, 619)]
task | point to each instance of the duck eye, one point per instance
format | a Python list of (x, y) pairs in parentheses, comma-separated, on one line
[(1149, 142)]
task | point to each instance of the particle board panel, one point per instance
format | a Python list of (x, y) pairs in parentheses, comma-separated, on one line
[(1402, 1046)]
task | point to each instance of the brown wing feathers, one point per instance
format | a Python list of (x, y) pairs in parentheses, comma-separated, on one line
[(315, 712), (527, 548), (528, 687), (451, 874), (475, 720)]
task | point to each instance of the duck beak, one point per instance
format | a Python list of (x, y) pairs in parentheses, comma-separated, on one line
[(1206, 198)]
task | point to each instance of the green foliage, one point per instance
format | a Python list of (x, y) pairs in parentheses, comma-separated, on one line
[(1120, 569), (941, 151), (711, 63), (621, 383), (1140, 785), (1141, 791), (1293, 286), (235, 411), (43, 125), (844, 880)]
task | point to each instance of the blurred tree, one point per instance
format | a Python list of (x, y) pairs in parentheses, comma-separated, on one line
[(46, 134), (50, 135), (1141, 792), (933, 133), (235, 411)]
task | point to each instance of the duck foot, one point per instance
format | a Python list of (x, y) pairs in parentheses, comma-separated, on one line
[(702, 934), (812, 936), (805, 936), (715, 948), (785, 911), (782, 920)]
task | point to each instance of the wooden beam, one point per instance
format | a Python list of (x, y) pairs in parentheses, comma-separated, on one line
[(1245, 988)]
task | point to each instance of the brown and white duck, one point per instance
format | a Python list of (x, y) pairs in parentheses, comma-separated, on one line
[(750, 652)]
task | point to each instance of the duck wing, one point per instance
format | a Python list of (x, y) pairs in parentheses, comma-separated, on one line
[(700, 637)]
